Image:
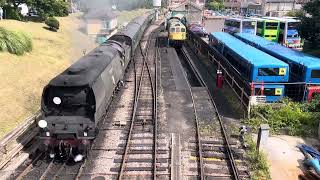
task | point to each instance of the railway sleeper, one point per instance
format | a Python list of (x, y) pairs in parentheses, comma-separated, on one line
[(142, 138), (143, 145), (117, 169), (216, 141), (121, 152), (217, 155), (142, 160), (224, 171)]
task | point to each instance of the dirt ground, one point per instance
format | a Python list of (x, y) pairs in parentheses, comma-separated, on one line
[(284, 158)]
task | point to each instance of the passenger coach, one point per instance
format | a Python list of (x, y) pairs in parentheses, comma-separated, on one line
[(253, 64), (303, 67)]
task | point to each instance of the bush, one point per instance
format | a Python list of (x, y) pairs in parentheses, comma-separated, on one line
[(293, 118), (53, 23), (14, 42)]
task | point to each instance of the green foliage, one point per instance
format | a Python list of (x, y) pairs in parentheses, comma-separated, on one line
[(310, 23), (313, 106), (12, 13), (215, 5), (53, 23), (295, 13), (14, 42), (257, 161), (291, 117), (49, 8)]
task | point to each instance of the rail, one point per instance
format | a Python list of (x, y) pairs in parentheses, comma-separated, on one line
[(235, 172), (202, 175), (138, 87)]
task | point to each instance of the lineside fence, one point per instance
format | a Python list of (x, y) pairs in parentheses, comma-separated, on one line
[(14, 142)]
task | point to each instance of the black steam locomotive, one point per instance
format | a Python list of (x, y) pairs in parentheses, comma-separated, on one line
[(74, 102)]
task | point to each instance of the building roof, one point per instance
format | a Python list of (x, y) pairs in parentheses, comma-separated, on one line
[(101, 14), (281, 51), (252, 55), (195, 5)]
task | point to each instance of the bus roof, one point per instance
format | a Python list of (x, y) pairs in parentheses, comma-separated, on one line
[(240, 19), (262, 19), (282, 19), (281, 51), (251, 54)]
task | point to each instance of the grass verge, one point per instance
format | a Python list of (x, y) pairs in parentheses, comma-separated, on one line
[(23, 77), (257, 161)]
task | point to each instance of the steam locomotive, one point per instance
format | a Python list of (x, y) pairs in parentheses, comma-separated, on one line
[(74, 102)]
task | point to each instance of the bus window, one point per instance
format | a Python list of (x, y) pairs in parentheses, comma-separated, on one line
[(172, 29), (271, 72), (248, 24), (236, 24), (269, 91), (183, 30), (272, 25), (177, 29), (260, 25), (282, 25), (315, 74), (293, 25)]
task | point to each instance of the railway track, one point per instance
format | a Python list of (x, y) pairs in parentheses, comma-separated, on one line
[(214, 152), (140, 153)]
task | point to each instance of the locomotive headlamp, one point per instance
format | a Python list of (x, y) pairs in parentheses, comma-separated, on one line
[(42, 124), (57, 100)]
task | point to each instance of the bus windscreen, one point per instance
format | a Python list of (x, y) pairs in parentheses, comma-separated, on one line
[(248, 24), (272, 25)]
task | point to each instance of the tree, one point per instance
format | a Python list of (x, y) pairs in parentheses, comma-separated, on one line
[(215, 5), (49, 8), (310, 23), (44, 8), (295, 13)]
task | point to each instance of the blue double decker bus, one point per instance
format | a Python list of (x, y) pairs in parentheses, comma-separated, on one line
[(303, 67), (254, 65)]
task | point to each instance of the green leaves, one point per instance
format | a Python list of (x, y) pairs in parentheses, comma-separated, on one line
[(14, 42), (310, 25), (292, 118), (53, 23)]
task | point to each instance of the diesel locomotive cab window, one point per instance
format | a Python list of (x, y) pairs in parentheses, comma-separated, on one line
[(315, 74), (183, 30), (172, 29), (271, 72)]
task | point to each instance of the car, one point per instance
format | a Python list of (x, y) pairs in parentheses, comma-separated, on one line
[(199, 30)]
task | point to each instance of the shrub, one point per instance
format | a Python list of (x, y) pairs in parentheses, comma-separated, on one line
[(53, 23), (14, 42), (293, 118)]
